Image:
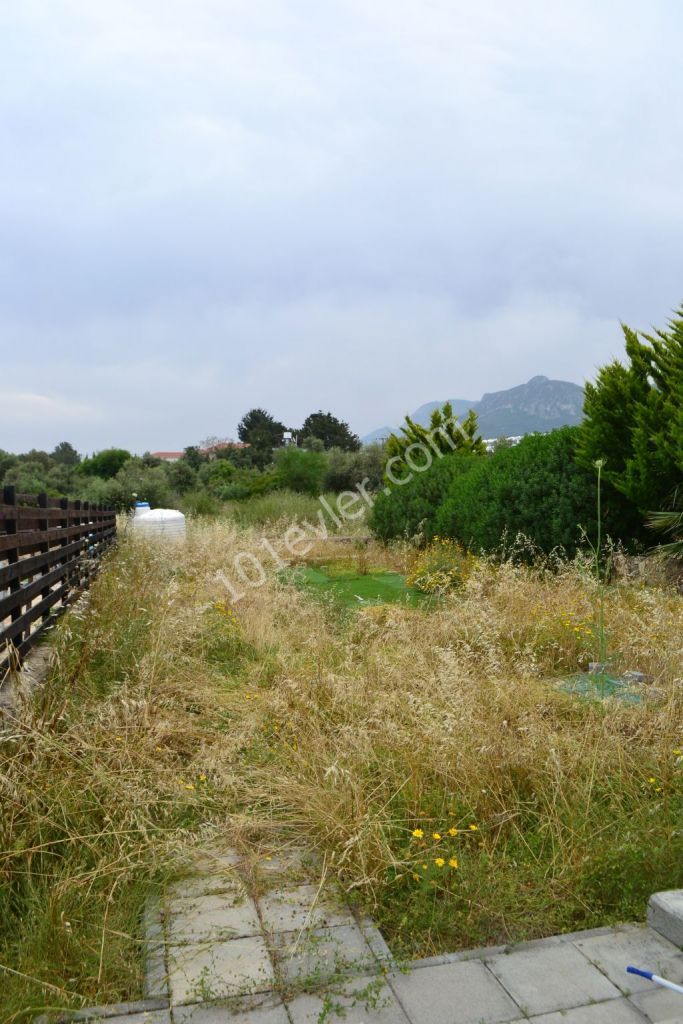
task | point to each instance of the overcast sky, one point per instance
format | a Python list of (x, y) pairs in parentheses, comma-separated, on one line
[(354, 205)]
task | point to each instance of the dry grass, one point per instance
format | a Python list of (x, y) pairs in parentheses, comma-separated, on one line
[(348, 732)]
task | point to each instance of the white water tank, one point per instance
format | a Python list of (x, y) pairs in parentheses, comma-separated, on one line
[(159, 522)]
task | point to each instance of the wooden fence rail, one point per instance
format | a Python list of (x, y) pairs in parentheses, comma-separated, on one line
[(49, 550)]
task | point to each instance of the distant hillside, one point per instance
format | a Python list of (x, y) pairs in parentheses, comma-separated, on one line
[(540, 404)]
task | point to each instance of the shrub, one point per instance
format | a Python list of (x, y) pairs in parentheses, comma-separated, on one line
[(200, 503), (300, 470), (148, 483), (215, 475), (182, 476), (235, 492), (535, 488), (347, 469), (411, 509), (443, 566)]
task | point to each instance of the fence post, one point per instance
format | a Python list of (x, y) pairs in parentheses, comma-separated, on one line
[(78, 562), (43, 526), (64, 523), (9, 497)]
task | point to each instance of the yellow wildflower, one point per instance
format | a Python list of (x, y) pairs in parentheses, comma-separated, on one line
[(453, 831), (436, 835), (418, 833), (474, 828), (453, 862), (439, 861)]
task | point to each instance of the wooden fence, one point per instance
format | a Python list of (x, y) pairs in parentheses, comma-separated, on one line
[(49, 550)]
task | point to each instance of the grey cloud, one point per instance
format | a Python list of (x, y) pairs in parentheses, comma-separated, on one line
[(364, 206)]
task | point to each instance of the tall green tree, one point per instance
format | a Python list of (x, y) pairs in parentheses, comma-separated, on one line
[(106, 464), (65, 454), (634, 418), (333, 433), (193, 457), (445, 434), (7, 460), (262, 432)]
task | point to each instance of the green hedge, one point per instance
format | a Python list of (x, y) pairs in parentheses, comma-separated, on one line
[(535, 488), (413, 507)]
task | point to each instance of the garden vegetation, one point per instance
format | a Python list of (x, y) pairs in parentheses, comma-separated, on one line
[(428, 753)]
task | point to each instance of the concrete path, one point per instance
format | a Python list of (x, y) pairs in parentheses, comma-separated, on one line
[(262, 942)]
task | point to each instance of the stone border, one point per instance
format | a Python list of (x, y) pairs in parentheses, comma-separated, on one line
[(155, 981), (665, 916)]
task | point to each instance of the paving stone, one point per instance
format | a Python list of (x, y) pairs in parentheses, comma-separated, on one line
[(285, 910), (665, 914), (614, 1011), (219, 969), (376, 941), (556, 977), (635, 945), (205, 885), (214, 858), (149, 1017), (286, 868), (152, 920), (462, 993), (155, 980), (114, 1011), (658, 1005), (212, 918), (315, 956), (482, 953), (365, 1000), (268, 1010)]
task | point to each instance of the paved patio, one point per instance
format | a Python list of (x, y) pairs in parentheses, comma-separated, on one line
[(262, 942)]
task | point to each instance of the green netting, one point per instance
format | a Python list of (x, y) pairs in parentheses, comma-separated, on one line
[(602, 686)]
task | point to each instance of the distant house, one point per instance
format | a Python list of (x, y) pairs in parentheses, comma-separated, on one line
[(212, 451), (167, 456)]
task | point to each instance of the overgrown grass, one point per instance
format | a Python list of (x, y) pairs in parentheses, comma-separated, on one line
[(170, 716), (282, 507), (105, 780), (398, 720)]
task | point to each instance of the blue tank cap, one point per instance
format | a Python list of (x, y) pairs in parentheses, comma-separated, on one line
[(142, 504)]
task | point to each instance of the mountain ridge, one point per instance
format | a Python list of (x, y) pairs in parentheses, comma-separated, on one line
[(540, 404)]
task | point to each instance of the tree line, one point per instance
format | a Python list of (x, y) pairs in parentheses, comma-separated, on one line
[(323, 454)]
